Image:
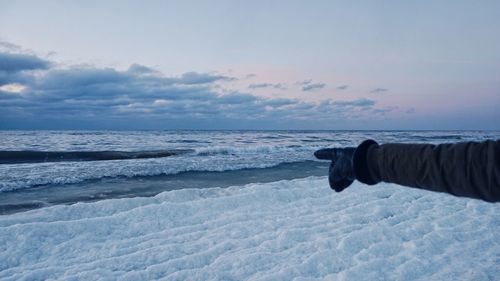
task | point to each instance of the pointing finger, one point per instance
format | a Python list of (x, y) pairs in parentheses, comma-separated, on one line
[(326, 154)]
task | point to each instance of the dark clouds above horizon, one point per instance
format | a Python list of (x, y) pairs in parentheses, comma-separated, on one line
[(38, 93)]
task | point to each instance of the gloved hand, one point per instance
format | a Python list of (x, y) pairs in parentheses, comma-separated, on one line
[(341, 173)]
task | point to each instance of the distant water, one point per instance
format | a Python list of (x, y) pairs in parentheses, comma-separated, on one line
[(40, 168)]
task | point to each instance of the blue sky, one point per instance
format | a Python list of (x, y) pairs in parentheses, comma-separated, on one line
[(249, 65)]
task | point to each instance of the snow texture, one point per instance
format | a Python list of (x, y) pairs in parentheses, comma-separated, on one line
[(287, 230)]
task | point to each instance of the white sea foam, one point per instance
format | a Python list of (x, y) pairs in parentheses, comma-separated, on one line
[(23, 176), (284, 230), (224, 150)]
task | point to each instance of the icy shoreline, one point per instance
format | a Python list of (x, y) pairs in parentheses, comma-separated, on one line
[(275, 231)]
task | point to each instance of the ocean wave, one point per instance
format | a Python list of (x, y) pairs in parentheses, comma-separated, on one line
[(144, 186), (27, 176), (443, 137), (18, 157), (258, 149)]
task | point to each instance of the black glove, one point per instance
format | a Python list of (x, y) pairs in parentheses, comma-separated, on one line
[(341, 173)]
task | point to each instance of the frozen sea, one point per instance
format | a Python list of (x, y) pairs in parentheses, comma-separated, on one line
[(227, 205)]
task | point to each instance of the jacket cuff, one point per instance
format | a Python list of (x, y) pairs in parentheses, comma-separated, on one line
[(360, 162)]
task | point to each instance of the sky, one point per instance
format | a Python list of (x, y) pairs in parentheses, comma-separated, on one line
[(345, 65)]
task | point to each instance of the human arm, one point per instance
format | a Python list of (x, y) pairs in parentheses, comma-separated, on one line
[(470, 169)]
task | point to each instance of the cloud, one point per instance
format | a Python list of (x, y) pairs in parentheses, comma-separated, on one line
[(379, 90), (280, 102), (355, 103), (142, 69), (237, 98), (202, 78), (313, 86), (384, 110), (17, 68), (342, 87), (344, 109), (9, 46), (93, 93), (42, 94), (279, 86), (12, 63)]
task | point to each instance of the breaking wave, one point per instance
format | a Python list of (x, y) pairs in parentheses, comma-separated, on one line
[(19, 157)]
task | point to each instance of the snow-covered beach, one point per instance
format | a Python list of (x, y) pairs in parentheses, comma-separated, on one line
[(286, 230), (235, 205)]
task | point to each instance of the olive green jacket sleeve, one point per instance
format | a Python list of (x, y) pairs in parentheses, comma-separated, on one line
[(470, 169)]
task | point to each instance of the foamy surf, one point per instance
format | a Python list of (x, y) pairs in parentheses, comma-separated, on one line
[(36, 159)]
